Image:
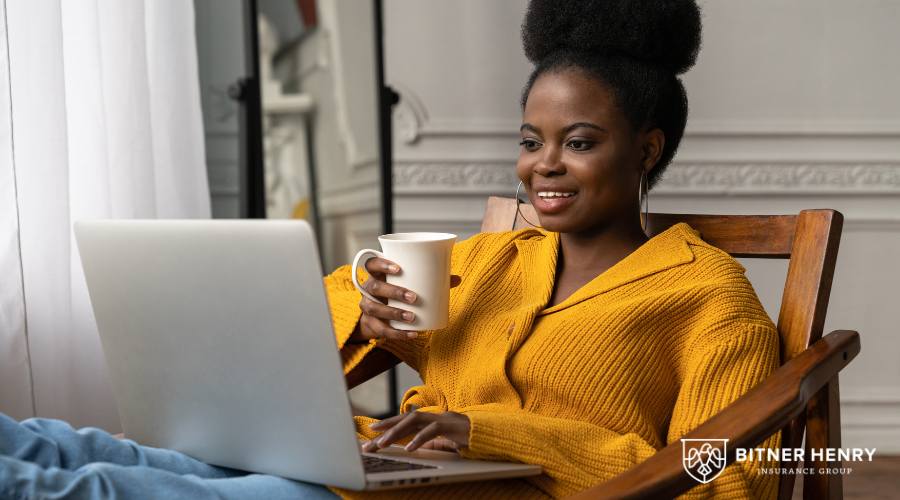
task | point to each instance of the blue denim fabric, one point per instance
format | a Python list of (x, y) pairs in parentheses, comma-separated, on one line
[(48, 459)]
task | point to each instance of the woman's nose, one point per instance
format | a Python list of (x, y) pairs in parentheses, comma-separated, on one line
[(550, 163)]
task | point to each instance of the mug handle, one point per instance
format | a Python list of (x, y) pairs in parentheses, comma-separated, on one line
[(361, 258)]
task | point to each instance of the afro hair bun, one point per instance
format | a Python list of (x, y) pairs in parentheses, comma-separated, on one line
[(665, 33)]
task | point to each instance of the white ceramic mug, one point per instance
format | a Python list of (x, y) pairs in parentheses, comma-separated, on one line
[(424, 260)]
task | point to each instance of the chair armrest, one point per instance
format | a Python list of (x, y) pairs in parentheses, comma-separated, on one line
[(375, 363), (748, 421)]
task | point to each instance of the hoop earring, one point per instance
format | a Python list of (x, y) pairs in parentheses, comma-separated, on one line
[(643, 201), (519, 212)]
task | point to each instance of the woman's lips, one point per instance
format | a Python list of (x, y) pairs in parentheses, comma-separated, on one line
[(553, 205)]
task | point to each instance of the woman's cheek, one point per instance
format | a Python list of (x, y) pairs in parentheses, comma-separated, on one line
[(522, 169)]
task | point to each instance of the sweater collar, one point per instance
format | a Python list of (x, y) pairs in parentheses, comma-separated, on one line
[(538, 256)]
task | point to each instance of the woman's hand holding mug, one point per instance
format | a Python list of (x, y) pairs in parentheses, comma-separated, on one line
[(422, 285)]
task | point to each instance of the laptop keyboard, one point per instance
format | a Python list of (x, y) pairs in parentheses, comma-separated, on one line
[(378, 464)]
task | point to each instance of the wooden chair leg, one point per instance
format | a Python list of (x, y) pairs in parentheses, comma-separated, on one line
[(823, 430)]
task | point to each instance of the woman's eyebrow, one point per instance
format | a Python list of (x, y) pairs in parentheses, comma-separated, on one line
[(583, 125), (530, 128)]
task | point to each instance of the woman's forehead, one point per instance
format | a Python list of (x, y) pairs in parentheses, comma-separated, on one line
[(565, 97)]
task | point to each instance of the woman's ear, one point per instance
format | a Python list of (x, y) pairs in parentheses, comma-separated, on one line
[(652, 143)]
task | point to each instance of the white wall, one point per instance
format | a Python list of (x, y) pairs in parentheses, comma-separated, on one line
[(793, 106)]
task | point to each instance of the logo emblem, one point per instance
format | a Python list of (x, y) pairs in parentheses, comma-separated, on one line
[(701, 460)]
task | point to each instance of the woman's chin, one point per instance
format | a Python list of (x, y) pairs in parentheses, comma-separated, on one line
[(554, 224)]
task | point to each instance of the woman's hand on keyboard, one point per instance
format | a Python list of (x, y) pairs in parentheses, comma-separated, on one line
[(447, 431), (374, 322)]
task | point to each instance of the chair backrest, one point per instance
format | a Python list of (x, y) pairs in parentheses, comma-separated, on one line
[(809, 239)]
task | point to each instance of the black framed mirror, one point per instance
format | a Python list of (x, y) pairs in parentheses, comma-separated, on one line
[(297, 123)]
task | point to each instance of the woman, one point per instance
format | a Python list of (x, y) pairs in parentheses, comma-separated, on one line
[(582, 345)]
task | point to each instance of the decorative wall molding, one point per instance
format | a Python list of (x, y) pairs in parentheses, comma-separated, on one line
[(793, 128), (818, 178), (410, 115), (875, 394), (460, 177), (871, 419), (454, 176)]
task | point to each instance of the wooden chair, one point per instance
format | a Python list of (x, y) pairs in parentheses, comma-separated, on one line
[(801, 395)]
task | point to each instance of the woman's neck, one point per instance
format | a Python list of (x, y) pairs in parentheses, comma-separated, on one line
[(593, 252)]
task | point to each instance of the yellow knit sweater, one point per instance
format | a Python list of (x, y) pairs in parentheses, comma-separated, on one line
[(636, 358)]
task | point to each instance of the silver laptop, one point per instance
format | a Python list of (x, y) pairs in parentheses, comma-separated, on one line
[(220, 345)]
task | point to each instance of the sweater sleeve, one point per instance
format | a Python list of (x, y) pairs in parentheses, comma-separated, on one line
[(343, 302), (576, 455), (344, 298), (716, 374)]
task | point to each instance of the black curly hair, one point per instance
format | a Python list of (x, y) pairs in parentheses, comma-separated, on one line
[(637, 48)]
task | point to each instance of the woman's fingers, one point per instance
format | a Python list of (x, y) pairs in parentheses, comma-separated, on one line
[(379, 267), (409, 424), (448, 431), (379, 310), (374, 328), (428, 433), (441, 444), (376, 317), (387, 423), (386, 290), (374, 323)]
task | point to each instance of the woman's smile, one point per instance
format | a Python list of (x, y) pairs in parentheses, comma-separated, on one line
[(549, 201)]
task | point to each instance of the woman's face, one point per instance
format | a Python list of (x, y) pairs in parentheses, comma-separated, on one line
[(580, 160)]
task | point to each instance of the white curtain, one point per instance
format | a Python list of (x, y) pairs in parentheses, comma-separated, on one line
[(100, 118)]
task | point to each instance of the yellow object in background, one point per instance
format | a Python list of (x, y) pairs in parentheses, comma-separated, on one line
[(301, 209)]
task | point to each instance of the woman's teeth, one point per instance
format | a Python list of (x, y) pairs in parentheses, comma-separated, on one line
[(552, 194)]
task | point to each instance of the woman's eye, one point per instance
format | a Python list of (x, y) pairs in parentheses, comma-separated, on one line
[(530, 144), (580, 145)]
